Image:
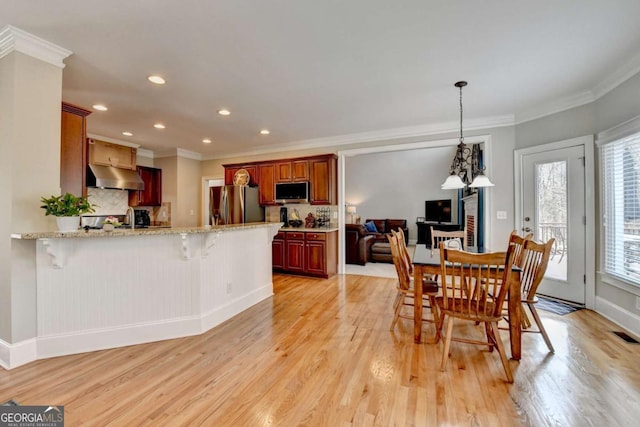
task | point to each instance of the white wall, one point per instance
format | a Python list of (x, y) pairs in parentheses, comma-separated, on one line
[(182, 187), (30, 101), (613, 108), (396, 184)]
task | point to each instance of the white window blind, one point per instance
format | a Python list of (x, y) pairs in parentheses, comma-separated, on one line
[(621, 204)]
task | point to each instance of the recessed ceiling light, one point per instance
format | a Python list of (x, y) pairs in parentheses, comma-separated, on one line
[(264, 132), (156, 79), (127, 133), (100, 107), (159, 126), (206, 141), (224, 112)]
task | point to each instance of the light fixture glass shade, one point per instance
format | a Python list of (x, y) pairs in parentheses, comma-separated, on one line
[(481, 181), (453, 182)]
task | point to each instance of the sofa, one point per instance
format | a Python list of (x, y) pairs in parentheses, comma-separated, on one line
[(358, 244), (384, 226)]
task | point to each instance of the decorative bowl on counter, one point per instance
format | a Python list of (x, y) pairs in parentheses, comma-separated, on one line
[(295, 223)]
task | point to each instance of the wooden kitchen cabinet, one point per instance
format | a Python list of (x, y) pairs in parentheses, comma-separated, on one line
[(320, 171), (109, 154), (278, 252), (306, 253), (229, 172), (152, 193), (323, 180), (73, 149), (292, 171), (294, 252), (267, 188)]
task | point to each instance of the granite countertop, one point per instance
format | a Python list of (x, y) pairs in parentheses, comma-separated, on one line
[(119, 232)]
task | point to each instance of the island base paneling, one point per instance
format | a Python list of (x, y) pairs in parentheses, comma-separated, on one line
[(105, 292)]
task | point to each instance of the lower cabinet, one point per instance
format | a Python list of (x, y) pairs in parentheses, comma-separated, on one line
[(306, 252)]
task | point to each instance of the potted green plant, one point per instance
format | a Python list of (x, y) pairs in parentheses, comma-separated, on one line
[(67, 210)]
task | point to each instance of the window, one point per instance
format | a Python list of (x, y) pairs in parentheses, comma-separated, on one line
[(621, 207)]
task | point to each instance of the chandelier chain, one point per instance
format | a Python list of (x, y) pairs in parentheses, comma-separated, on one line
[(461, 137)]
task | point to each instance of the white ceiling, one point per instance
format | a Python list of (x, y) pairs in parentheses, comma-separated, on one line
[(320, 71)]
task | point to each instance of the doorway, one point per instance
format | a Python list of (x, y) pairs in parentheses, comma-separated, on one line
[(553, 203)]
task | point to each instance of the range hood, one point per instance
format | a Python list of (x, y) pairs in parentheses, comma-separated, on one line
[(111, 177)]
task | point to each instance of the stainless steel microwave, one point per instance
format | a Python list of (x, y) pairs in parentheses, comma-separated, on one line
[(292, 192)]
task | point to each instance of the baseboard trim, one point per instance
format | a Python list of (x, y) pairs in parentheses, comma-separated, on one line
[(213, 318), (618, 315), (102, 339), (14, 355)]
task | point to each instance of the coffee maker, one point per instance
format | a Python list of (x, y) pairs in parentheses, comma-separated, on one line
[(284, 216), (142, 218)]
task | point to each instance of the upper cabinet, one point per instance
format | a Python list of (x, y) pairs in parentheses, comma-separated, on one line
[(323, 180), (319, 171), (267, 189), (73, 151), (229, 172), (292, 171), (108, 154), (152, 193)]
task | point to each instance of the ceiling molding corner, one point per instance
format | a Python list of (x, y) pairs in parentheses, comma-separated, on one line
[(188, 154), (556, 106), (619, 76), (14, 39), (142, 152)]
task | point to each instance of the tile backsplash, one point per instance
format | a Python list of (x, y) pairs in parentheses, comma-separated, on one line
[(109, 202), (272, 213), (116, 202)]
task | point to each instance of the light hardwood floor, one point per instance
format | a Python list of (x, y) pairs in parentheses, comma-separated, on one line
[(320, 353)]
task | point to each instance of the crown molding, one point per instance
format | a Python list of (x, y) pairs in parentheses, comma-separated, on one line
[(188, 154), (380, 135), (178, 152), (620, 131), (619, 76), (144, 153), (14, 39), (556, 106)]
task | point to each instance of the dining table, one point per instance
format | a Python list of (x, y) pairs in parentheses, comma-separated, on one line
[(426, 262)]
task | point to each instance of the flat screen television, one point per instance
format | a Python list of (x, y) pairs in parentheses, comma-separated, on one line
[(437, 210)]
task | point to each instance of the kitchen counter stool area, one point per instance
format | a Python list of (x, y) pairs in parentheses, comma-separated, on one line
[(98, 290)]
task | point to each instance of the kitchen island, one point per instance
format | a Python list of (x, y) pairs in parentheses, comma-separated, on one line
[(95, 290)]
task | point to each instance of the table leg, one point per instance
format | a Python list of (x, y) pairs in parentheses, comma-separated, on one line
[(417, 304), (515, 318)]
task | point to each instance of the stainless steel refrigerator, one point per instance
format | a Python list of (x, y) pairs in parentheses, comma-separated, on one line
[(234, 204)]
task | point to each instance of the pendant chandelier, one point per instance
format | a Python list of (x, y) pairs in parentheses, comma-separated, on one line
[(463, 161)]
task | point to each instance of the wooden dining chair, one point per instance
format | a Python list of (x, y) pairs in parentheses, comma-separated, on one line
[(405, 286), (404, 251), (477, 285), (518, 242), (535, 258), (452, 239)]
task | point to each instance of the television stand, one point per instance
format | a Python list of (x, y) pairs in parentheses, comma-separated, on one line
[(424, 230)]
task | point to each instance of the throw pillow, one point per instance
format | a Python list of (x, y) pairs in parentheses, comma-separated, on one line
[(371, 227)]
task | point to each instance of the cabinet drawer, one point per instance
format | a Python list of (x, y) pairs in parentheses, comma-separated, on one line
[(280, 235), (316, 236), (295, 236)]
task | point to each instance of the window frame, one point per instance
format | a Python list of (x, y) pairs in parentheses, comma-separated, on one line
[(610, 136)]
